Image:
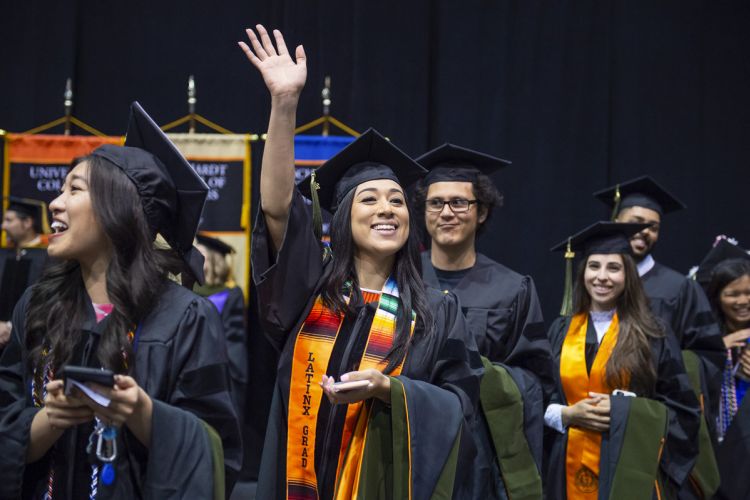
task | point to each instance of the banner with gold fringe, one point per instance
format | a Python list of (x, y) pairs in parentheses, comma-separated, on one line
[(224, 162), (35, 166)]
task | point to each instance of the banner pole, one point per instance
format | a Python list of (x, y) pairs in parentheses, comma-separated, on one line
[(68, 104)]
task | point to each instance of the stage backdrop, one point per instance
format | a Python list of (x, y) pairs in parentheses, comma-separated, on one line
[(35, 167), (224, 162)]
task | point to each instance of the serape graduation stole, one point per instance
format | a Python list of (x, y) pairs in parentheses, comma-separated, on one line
[(584, 446), (312, 353)]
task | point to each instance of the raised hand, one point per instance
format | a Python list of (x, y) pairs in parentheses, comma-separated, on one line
[(282, 75)]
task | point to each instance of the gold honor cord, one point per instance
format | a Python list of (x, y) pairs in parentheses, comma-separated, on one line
[(567, 304), (616, 206)]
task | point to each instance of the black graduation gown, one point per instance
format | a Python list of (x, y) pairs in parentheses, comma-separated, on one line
[(17, 273), (504, 315), (287, 284), (733, 456), (672, 389), (230, 302), (180, 361), (682, 305), (231, 305)]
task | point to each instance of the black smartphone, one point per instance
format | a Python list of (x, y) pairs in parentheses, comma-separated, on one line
[(85, 374)]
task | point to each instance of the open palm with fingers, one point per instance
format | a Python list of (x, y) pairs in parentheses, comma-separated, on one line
[(282, 75)]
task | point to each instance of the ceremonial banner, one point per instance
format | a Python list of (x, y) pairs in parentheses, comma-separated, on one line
[(223, 160), (35, 166), (310, 152)]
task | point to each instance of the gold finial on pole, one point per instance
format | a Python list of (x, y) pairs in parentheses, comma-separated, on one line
[(192, 100), (325, 95), (68, 103)]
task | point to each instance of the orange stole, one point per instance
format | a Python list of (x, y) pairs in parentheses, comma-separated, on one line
[(312, 354), (584, 446)]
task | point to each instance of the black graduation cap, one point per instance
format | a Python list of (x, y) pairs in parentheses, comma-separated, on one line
[(602, 237), (639, 192), (599, 238), (214, 244), (453, 163), (36, 209), (369, 157), (723, 250), (173, 194)]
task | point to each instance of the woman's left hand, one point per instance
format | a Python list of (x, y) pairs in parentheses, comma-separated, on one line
[(745, 362), (379, 387), (129, 404), (124, 398)]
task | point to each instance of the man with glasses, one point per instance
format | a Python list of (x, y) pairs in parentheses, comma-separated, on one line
[(502, 310)]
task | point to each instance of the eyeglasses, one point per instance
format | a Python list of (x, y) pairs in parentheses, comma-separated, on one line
[(457, 205)]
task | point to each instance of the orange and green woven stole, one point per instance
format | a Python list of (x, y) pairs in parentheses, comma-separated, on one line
[(312, 353)]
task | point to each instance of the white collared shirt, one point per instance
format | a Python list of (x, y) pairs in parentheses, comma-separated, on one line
[(645, 265)]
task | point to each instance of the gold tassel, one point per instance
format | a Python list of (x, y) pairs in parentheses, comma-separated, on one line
[(616, 207), (45, 219), (317, 215), (567, 304)]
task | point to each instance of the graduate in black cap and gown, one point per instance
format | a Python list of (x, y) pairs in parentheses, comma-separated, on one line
[(109, 303), (678, 301), (356, 314), (624, 419), (26, 226), (725, 274), (220, 288), (501, 307)]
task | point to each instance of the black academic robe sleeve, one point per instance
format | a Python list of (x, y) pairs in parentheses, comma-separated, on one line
[(702, 335), (674, 390), (188, 382), (528, 346), (235, 332), (456, 365), (16, 413), (452, 373), (285, 280)]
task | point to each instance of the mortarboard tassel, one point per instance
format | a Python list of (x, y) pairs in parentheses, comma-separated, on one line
[(316, 212), (616, 207), (567, 304), (45, 219)]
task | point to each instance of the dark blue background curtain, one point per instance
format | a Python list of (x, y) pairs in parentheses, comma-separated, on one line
[(578, 94)]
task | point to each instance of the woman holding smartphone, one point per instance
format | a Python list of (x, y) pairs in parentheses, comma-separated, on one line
[(357, 313), (109, 304), (619, 373)]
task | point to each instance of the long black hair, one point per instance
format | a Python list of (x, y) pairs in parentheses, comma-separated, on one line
[(136, 274), (722, 275), (407, 271), (631, 357)]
